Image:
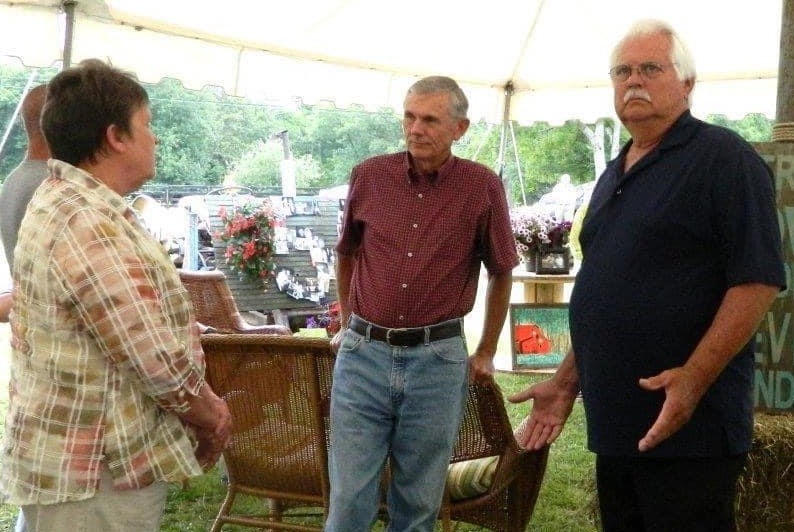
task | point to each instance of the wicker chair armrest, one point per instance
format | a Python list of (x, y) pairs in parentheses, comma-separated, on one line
[(512, 464)]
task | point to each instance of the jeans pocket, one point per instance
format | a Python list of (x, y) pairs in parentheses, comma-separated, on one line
[(452, 350), (351, 340)]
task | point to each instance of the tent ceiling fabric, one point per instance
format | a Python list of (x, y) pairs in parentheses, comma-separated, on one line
[(555, 53)]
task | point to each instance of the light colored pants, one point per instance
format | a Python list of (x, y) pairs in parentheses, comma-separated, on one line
[(402, 403), (108, 510)]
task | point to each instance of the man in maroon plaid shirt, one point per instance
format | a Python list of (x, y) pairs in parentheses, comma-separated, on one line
[(417, 227)]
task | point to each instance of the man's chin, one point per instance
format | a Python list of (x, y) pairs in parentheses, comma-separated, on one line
[(417, 152)]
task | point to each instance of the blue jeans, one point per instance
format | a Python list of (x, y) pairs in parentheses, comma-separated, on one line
[(399, 402)]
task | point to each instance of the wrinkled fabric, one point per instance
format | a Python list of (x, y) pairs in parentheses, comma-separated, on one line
[(104, 350)]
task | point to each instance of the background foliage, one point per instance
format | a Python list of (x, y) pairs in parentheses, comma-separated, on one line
[(208, 138)]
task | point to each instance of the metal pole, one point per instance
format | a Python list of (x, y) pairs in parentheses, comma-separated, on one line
[(190, 260), (68, 9), (500, 162), (518, 165)]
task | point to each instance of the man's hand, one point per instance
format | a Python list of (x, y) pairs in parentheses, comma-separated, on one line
[(683, 388), (211, 421), (209, 448), (336, 340), (551, 406), (481, 368), (223, 428)]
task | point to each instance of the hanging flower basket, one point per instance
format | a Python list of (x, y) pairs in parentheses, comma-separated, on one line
[(249, 235)]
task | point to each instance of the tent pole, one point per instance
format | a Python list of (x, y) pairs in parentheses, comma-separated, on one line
[(68, 36), (500, 161), (518, 165)]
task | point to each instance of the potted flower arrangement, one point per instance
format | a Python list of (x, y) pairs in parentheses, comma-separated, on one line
[(537, 233), (249, 234)]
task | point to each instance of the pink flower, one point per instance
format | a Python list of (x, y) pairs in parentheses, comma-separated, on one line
[(249, 234)]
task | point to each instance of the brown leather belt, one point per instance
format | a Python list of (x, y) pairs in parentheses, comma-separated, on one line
[(406, 337)]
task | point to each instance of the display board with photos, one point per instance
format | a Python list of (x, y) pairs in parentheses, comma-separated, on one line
[(304, 255)]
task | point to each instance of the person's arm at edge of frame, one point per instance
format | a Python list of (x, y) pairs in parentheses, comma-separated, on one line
[(497, 299), (734, 324), (552, 402), (6, 300), (344, 273)]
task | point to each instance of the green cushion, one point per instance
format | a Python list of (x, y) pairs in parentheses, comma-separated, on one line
[(470, 478)]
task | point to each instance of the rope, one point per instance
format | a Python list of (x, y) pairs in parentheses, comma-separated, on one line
[(783, 132)]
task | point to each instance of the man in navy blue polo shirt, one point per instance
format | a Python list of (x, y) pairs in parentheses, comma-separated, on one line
[(682, 258)]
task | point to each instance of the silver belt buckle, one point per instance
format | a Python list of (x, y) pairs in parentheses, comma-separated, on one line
[(388, 334)]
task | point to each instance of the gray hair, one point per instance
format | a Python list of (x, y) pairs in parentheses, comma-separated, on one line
[(680, 55), (431, 84)]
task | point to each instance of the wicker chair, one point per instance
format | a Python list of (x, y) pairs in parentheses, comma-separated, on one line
[(507, 499), (215, 306), (278, 392)]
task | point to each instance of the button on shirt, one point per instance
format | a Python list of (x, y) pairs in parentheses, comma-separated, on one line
[(421, 241), (663, 243), (104, 350)]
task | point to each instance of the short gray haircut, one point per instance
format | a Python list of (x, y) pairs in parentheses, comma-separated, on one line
[(680, 55), (432, 84)]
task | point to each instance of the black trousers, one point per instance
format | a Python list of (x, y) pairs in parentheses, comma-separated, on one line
[(668, 494)]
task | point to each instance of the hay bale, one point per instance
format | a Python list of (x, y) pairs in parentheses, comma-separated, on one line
[(764, 500)]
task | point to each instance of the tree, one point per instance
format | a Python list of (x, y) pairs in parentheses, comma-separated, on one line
[(753, 127), (340, 138), (259, 167), (604, 139), (206, 135), (548, 152), (13, 81)]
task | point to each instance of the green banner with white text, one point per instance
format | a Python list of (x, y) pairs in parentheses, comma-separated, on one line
[(774, 352)]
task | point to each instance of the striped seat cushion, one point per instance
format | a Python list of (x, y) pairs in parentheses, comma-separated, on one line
[(473, 477), (470, 478)]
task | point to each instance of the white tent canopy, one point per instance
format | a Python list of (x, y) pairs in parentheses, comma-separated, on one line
[(554, 53)]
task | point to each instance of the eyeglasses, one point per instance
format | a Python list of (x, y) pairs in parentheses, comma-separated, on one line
[(648, 70)]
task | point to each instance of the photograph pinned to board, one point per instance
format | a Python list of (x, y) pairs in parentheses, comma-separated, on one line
[(539, 335), (304, 239)]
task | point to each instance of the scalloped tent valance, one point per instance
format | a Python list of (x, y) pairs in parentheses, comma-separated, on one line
[(554, 54)]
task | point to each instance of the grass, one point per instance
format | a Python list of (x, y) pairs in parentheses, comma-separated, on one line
[(563, 503)]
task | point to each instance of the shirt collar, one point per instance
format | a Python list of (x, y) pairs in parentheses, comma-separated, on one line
[(684, 127), (84, 180), (436, 177), (680, 131)]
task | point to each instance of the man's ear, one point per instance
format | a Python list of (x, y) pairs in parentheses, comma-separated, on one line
[(461, 128), (115, 138)]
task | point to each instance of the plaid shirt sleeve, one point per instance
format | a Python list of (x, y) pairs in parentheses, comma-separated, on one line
[(130, 306)]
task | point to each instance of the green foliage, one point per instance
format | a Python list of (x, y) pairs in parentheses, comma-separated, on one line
[(207, 137), (752, 128), (548, 152), (340, 138), (13, 80), (259, 167)]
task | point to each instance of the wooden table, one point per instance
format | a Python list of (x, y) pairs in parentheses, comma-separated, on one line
[(545, 288)]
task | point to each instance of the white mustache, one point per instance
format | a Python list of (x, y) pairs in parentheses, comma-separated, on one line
[(642, 94)]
